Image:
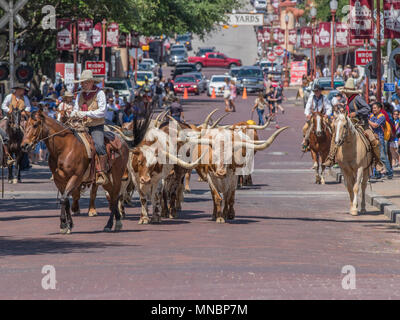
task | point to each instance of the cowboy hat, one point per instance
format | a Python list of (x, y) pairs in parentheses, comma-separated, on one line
[(20, 86), (68, 94), (87, 75), (349, 87)]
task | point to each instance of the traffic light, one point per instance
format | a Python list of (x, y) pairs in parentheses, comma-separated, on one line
[(24, 73), (394, 61)]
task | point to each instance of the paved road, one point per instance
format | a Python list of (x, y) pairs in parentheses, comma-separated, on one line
[(291, 237)]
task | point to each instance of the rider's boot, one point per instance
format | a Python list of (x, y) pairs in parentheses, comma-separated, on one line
[(102, 178), (8, 160), (330, 160)]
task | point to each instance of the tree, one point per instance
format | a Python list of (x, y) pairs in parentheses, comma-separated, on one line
[(148, 17)]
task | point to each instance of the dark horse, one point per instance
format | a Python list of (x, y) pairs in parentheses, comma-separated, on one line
[(16, 134), (320, 142), (70, 165)]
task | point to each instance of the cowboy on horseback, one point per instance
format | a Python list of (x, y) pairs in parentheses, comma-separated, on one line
[(17, 101), (357, 109), (90, 105), (317, 102)]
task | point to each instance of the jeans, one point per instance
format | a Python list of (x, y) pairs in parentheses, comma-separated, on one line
[(260, 117), (97, 134), (384, 156)]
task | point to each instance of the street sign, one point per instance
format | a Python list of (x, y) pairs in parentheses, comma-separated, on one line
[(246, 19), (98, 67), (271, 56), (363, 57), (279, 50), (388, 87)]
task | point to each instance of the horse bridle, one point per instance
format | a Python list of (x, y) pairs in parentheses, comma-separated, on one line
[(343, 138)]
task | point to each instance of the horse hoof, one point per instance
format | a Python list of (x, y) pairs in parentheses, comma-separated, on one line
[(65, 231), (188, 191), (156, 220), (354, 212), (118, 226), (143, 221), (15, 181), (77, 213), (92, 213), (220, 220), (107, 229), (10, 181), (363, 211)]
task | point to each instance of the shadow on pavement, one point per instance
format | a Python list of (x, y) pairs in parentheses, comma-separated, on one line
[(18, 247)]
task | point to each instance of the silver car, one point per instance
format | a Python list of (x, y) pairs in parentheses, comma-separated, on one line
[(177, 56)]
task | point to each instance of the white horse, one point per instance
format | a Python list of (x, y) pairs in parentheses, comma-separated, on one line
[(354, 159)]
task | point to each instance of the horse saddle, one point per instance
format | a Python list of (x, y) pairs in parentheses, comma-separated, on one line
[(364, 138), (112, 142)]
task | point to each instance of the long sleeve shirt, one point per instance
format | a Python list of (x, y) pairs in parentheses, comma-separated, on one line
[(318, 105), (7, 101), (111, 108), (96, 114)]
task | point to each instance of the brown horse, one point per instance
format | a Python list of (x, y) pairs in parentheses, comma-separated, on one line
[(320, 141), (71, 166), (15, 133)]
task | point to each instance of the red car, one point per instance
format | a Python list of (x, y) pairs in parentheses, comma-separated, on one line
[(185, 81), (214, 59)]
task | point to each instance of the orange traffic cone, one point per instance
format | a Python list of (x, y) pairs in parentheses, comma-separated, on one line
[(244, 97), (213, 95), (185, 94)]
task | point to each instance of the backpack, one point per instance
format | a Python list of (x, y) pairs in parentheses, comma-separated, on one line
[(387, 129)]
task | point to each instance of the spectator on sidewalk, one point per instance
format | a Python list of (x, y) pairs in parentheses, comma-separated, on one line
[(377, 121)]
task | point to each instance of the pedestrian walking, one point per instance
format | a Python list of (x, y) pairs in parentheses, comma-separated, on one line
[(176, 110), (227, 95), (260, 105), (394, 145), (232, 96)]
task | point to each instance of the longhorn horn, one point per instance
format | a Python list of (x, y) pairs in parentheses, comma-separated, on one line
[(159, 117), (184, 164), (173, 119), (205, 123), (219, 120), (263, 146), (265, 126), (120, 132)]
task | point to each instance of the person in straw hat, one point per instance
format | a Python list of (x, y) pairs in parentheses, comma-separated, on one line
[(66, 104), (17, 100), (357, 108), (91, 105)]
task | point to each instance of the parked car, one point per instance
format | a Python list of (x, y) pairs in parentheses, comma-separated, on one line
[(151, 61), (182, 68), (214, 59), (177, 56), (178, 46), (251, 78), (184, 39), (123, 86), (217, 82), (201, 80), (145, 67), (260, 5), (233, 73), (188, 82), (203, 50), (141, 76)]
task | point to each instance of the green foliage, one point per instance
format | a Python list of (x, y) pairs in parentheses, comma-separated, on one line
[(324, 10), (148, 17)]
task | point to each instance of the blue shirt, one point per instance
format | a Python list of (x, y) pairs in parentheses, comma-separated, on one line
[(381, 120)]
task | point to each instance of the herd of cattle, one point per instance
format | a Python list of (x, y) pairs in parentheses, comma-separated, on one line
[(217, 153)]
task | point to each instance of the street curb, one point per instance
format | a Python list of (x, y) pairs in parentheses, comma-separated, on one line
[(381, 203)]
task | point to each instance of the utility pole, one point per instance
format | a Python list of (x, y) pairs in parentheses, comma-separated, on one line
[(378, 52), (11, 44)]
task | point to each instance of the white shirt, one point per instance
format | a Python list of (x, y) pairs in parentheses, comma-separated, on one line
[(321, 105), (100, 112), (110, 111), (7, 102)]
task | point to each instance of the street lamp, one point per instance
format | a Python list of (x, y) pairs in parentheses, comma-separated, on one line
[(334, 5), (286, 82), (313, 13)]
